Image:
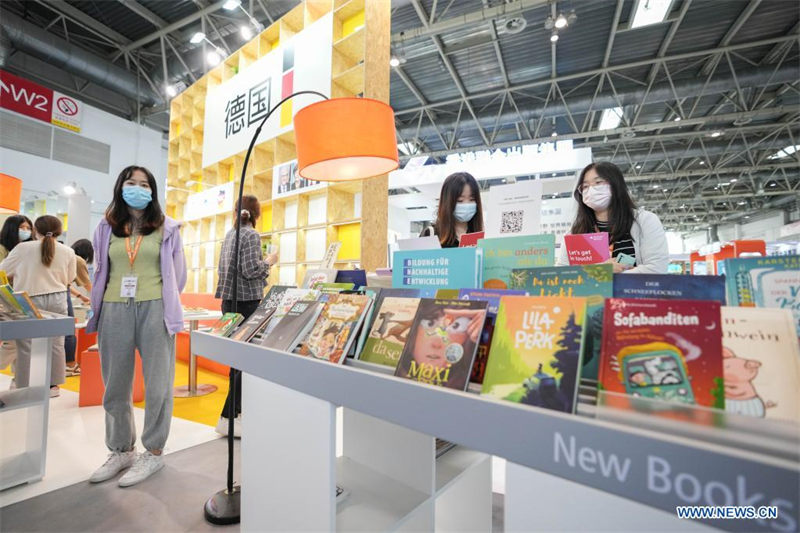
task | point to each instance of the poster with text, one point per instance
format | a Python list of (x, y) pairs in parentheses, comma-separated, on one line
[(286, 181), (514, 209)]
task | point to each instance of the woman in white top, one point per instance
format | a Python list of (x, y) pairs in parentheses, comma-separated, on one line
[(604, 205), (43, 268)]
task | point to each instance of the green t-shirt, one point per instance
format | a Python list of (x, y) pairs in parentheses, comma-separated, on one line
[(147, 267)]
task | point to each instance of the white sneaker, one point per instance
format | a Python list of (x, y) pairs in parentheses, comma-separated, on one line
[(146, 465), (116, 462), (55, 391), (222, 427)]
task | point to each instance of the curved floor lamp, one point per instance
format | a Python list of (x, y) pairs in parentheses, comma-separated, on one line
[(338, 139)]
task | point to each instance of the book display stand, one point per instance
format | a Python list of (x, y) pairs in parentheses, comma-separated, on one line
[(610, 460), (24, 411)]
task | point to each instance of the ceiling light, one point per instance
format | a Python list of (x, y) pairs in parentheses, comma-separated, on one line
[(786, 152), (772, 184), (213, 58), (655, 186), (394, 62), (171, 91), (230, 5), (554, 134), (70, 188), (734, 180), (554, 36), (716, 134), (649, 12), (561, 21), (197, 37), (663, 190), (702, 162), (638, 167), (683, 206), (515, 25), (747, 216), (246, 32), (742, 203), (549, 23), (554, 174), (572, 17), (676, 119), (610, 118)]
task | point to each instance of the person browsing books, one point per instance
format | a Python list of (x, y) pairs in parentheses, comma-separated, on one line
[(253, 273), (604, 205), (43, 268), (84, 253), (460, 210), (139, 274)]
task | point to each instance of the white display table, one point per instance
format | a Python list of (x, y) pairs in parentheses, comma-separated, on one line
[(289, 468), (23, 417)]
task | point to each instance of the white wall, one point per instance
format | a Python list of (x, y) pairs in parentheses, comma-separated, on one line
[(766, 227), (694, 241), (130, 144)]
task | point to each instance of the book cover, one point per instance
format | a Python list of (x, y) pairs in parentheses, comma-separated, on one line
[(289, 298), (374, 295), (4, 278), (7, 295), (379, 297), (330, 255), (761, 361), (333, 288), (389, 331), (663, 349), (254, 323), (593, 282), (515, 208), (587, 248), (444, 268), (357, 277), (294, 326), (335, 328), (28, 307), (670, 287), (447, 294), (315, 276), (225, 325), (442, 343), (470, 239), (772, 281), (503, 254), (492, 298), (272, 299)]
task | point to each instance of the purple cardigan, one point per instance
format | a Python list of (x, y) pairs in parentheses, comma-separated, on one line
[(173, 274)]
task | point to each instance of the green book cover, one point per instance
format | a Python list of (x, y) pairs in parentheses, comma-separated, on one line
[(594, 282), (503, 254), (334, 288), (389, 331)]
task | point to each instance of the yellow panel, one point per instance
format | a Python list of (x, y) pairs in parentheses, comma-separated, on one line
[(266, 218), (352, 24), (286, 114), (350, 236)]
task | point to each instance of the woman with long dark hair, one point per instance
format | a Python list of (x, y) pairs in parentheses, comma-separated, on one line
[(16, 229), (604, 205), (139, 274), (460, 210)]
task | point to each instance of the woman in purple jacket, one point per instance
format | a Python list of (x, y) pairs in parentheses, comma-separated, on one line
[(139, 275)]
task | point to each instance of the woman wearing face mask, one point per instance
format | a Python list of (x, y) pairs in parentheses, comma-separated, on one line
[(16, 229), (460, 210), (139, 274), (604, 205)]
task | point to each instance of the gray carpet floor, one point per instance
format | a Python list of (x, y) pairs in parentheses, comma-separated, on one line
[(170, 501)]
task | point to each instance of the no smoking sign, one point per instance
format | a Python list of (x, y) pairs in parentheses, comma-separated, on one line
[(67, 105), (66, 112)]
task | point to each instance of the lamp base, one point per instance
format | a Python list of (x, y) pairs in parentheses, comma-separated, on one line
[(223, 507)]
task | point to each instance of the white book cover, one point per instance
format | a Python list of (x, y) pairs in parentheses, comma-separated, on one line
[(287, 249), (315, 244), (514, 209)]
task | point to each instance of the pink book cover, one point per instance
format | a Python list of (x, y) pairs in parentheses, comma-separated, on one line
[(587, 248), (470, 239)]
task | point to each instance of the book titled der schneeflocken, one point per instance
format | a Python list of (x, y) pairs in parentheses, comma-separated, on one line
[(442, 343), (336, 327), (587, 248), (536, 351), (663, 349), (670, 287)]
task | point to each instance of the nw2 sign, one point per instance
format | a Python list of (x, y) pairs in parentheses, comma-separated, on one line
[(32, 100)]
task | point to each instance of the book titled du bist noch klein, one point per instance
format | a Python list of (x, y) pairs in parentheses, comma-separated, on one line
[(444, 268)]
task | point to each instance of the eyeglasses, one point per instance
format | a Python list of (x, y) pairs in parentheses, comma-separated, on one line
[(585, 186)]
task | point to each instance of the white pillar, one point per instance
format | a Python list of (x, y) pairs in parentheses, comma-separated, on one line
[(78, 217)]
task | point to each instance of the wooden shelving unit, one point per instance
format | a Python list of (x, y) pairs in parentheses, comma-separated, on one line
[(305, 223)]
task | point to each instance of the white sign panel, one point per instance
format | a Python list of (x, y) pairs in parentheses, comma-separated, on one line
[(212, 201), (514, 209), (67, 112), (235, 108)]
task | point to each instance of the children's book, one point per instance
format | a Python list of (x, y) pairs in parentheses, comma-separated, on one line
[(772, 281), (470, 239), (315, 276), (253, 325), (593, 282), (535, 356), (273, 296), (289, 298), (4, 278), (357, 277), (587, 248), (335, 328), (503, 254), (330, 255), (492, 298), (443, 268), (442, 343), (670, 287), (447, 294), (374, 294), (379, 297), (761, 361), (390, 330), (28, 307), (294, 326), (333, 288), (668, 350), (7, 295), (225, 325)]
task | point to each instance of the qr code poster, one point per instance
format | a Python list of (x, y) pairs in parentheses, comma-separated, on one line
[(514, 209)]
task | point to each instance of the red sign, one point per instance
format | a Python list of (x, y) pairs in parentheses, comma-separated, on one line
[(25, 97)]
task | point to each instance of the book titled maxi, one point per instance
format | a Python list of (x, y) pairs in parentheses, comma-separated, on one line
[(444, 268)]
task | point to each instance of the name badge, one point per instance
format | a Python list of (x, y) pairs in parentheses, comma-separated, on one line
[(128, 287)]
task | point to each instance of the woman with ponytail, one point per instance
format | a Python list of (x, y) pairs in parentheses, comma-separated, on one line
[(43, 268), (253, 273)]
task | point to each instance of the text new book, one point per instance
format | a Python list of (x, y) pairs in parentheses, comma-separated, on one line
[(254, 323), (444, 268), (536, 351), (670, 287), (761, 361), (501, 255), (587, 248), (663, 349), (336, 327), (593, 282), (294, 326), (288, 299), (443, 341), (389, 332)]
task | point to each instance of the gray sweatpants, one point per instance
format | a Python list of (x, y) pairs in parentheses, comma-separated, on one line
[(124, 327), (55, 302)]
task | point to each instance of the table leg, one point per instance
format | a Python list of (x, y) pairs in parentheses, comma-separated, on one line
[(193, 389)]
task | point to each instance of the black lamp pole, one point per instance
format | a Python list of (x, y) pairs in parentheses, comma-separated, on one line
[(223, 507)]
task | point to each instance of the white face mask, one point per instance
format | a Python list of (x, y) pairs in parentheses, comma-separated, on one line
[(598, 197)]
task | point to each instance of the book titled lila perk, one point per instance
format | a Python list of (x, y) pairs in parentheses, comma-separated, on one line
[(443, 268), (587, 248)]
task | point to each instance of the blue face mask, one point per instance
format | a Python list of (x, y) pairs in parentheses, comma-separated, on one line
[(136, 197), (465, 212), (24, 235)]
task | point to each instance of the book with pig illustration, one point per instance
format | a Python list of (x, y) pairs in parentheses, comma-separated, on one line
[(536, 351), (761, 361), (336, 327), (389, 331), (663, 349), (442, 343)]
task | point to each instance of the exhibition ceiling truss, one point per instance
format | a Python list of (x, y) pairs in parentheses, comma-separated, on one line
[(700, 109)]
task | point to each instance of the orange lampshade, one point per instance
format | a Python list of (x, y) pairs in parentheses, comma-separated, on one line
[(345, 139), (10, 193)]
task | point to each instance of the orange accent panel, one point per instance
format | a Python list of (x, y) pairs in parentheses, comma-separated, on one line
[(12, 192), (92, 387), (182, 354)]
